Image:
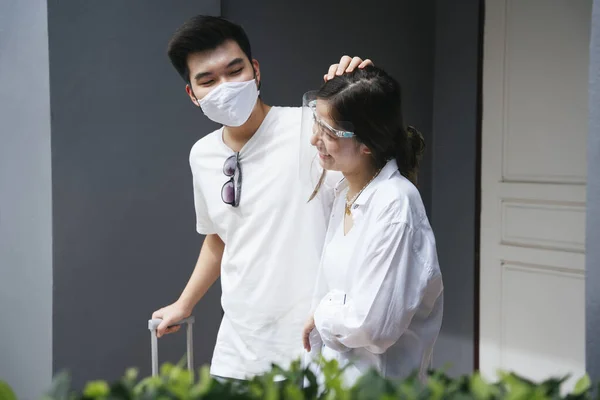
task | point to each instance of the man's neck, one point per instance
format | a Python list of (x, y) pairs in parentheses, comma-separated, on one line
[(236, 137)]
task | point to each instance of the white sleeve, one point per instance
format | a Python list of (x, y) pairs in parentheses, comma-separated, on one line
[(204, 224), (385, 294)]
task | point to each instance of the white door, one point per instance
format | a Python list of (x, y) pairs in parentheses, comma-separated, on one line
[(535, 116)]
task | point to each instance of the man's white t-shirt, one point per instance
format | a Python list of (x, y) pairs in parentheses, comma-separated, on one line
[(273, 243)]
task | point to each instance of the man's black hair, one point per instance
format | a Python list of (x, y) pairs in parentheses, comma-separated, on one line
[(201, 33)]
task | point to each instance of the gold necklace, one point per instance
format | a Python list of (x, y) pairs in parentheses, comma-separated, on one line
[(350, 202)]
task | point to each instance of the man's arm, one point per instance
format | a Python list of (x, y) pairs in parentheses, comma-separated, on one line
[(206, 272)]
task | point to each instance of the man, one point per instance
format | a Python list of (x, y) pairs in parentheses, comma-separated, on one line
[(262, 237)]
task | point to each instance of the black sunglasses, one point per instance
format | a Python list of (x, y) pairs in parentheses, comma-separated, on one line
[(232, 189)]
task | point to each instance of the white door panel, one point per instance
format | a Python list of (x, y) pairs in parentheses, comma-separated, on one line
[(534, 131)]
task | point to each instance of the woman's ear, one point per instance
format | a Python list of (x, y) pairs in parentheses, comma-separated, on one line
[(364, 149)]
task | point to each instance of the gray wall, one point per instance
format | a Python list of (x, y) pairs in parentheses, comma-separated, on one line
[(120, 143), (124, 240), (25, 207), (455, 180), (295, 42), (592, 304), (124, 231)]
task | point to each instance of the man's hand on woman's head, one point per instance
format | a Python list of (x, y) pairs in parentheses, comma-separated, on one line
[(346, 64)]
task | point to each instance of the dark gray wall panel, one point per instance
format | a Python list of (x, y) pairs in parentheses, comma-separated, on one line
[(455, 179), (592, 289), (124, 224)]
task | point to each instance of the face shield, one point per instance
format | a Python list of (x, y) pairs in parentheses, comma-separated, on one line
[(315, 126)]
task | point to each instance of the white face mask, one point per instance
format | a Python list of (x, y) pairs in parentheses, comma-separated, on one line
[(230, 103)]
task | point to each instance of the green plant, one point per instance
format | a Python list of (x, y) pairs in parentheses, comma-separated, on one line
[(6, 392), (175, 382)]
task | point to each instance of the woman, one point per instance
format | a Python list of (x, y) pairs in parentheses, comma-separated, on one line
[(379, 299)]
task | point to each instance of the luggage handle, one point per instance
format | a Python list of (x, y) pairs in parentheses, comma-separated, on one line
[(153, 325)]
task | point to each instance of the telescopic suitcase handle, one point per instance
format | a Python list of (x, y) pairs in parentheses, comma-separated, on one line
[(153, 324)]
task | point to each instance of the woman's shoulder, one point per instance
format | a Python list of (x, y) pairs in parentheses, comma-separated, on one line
[(398, 200)]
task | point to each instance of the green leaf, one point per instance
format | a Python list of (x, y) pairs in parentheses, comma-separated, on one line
[(480, 389), (96, 389), (292, 391), (131, 375), (551, 387), (407, 391), (520, 391), (6, 392), (270, 390), (176, 382), (121, 390), (583, 385), (166, 369), (205, 382), (436, 389), (312, 387), (372, 386), (60, 388), (148, 386)]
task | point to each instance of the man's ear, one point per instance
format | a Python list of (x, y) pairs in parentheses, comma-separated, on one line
[(190, 93), (256, 67)]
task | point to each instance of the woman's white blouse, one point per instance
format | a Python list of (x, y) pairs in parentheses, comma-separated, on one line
[(379, 296)]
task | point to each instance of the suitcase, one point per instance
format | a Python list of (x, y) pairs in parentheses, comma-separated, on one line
[(153, 324)]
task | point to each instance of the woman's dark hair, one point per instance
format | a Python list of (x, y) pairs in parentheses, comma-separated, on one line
[(201, 33), (370, 101)]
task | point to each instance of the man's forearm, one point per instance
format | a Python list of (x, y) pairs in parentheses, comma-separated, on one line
[(206, 272)]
